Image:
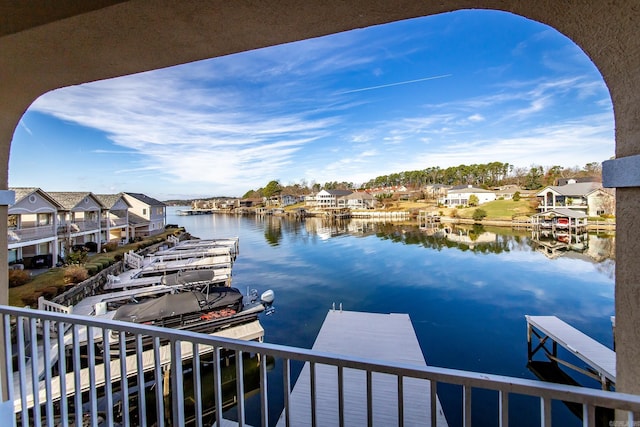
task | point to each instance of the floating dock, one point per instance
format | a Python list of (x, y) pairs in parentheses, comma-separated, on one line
[(601, 359), (387, 337)]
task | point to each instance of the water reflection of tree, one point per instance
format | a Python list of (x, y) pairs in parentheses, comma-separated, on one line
[(273, 231), (412, 235)]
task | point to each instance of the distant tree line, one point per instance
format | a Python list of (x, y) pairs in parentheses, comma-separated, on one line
[(484, 175)]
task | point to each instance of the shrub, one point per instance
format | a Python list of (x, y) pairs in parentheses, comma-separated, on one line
[(75, 274), (516, 196), (77, 257), (479, 214), (111, 246), (31, 299), (92, 268), (50, 292), (18, 278)]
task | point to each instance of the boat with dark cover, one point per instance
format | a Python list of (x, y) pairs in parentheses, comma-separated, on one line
[(219, 307)]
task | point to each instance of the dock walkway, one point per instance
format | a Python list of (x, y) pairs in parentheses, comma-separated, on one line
[(599, 357), (388, 337)]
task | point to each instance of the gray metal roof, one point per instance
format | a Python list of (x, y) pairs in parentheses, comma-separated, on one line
[(145, 199), (109, 200), (71, 199), (578, 189), (569, 213), (23, 192)]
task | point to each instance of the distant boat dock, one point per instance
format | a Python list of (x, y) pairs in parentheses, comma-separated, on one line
[(366, 400)]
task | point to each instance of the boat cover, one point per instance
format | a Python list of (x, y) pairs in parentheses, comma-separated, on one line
[(188, 276), (181, 303)]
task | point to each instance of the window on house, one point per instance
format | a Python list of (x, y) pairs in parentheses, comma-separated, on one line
[(144, 211)]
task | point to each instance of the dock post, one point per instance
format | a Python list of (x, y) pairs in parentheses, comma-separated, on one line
[(529, 354)]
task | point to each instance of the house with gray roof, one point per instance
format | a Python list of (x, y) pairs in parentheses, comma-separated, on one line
[(459, 196), (357, 200), (78, 219), (114, 222), (589, 198), (325, 199), (149, 214), (32, 228)]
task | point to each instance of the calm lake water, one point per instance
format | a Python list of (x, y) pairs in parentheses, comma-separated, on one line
[(467, 294)]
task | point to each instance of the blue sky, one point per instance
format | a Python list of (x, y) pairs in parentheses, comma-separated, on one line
[(457, 88)]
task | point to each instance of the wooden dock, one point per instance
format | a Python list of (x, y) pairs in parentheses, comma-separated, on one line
[(387, 337), (601, 359)]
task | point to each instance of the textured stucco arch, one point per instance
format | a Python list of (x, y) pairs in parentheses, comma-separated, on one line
[(46, 45)]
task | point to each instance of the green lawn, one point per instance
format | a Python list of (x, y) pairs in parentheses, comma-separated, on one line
[(501, 209)]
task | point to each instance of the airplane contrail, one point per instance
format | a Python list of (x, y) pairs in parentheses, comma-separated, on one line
[(395, 84)]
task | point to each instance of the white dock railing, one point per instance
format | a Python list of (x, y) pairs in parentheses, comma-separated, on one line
[(34, 403)]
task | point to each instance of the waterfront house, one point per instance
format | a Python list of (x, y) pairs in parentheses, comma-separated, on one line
[(78, 219), (32, 228), (586, 197), (459, 196), (148, 217), (329, 198), (114, 222), (357, 200)]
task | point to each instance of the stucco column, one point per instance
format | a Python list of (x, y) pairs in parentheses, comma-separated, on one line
[(628, 290)]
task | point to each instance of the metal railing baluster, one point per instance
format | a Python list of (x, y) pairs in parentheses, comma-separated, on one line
[(217, 384), (124, 382), (62, 374), (286, 378), (93, 392), (466, 402), (108, 389), (369, 398), (545, 412), (142, 399), (588, 415), (46, 346), (400, 401), (158, 378), (503, 408), (22, 370), (77, 370), (264, 400), (177, 391), (35, 368), (433, 403), (240, 387), (197, 387), (341, 396), (312, 385)]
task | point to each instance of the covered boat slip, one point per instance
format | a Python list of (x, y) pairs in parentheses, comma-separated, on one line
[(372, 336), (181, 278), (233, 243), (600, 358)]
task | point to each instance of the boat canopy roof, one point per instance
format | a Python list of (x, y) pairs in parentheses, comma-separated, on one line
[(177, 304), (188, 276)]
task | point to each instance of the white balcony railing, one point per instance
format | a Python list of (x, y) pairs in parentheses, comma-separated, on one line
[(113, 222), (30, 233), (92, 387), (78, 227)]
